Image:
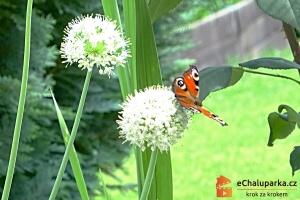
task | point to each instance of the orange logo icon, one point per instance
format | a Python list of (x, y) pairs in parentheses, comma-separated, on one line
[(223, 191)]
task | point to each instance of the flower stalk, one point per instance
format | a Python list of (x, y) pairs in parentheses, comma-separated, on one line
[(149, 176), (72, 137), (19, 118), (90, 42)]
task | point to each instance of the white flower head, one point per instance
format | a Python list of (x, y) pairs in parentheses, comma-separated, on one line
[(152, 118), (94, 41)]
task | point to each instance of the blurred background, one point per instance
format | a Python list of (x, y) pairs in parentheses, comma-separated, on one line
[(205, 33)]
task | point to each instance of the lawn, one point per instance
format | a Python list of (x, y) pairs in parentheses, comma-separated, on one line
[(238, 151)]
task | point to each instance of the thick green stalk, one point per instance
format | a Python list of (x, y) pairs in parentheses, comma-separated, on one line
[(18, 125), (139, 169), (150, 174), (72, 137)]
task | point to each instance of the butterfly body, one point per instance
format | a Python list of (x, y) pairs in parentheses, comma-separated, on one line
[(187, 90)]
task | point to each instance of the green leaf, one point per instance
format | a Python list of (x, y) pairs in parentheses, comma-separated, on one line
[(279, 128), (281, 125), (217, 78), (130, 31), (147, 64), (293, 116), (158, 8), (270, 63), (112, 12), (284, 10), (75, 164), (295, 159)]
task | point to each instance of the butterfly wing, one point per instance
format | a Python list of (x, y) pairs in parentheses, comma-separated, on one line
[(191, 79), (186, 89), (212, 116), (181, 93)]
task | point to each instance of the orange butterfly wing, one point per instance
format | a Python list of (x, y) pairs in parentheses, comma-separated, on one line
[(186, 90), (191, 79), (182, 93)]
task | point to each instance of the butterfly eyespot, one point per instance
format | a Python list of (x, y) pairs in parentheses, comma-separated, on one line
[(181, 84), (195, 74)]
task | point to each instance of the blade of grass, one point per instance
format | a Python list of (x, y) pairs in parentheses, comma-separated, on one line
[(72, 137), (75, 164), (19, 118), (104, 185)]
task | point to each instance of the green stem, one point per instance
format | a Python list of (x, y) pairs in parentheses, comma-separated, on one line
[(267, 74), (17, 130), (72, 136), (139, 169), (293, 42), (150, 174)]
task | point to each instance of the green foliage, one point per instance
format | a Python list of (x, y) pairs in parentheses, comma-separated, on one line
[(282, 124), (147, 63), (159, 8), (285, 10), (204, 8), (37, 132), (294, 159), (74, 161), (217, 78), (270, 63)]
